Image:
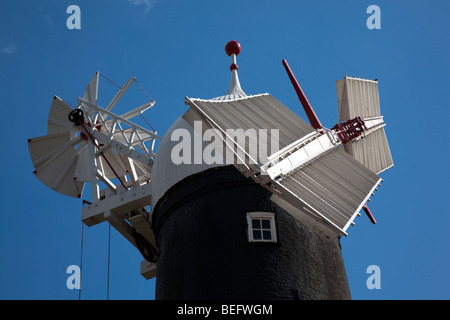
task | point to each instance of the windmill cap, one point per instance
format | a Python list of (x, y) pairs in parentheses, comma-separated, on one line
[(232, 47)]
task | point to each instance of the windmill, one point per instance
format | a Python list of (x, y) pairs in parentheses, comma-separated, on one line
[(267, 226), (89, 143)]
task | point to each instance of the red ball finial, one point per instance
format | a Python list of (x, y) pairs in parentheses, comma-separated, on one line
[(232, 47)]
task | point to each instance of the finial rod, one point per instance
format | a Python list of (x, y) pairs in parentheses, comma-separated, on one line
[(233, 48)]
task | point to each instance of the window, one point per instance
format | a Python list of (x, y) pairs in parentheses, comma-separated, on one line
[(261, 227)]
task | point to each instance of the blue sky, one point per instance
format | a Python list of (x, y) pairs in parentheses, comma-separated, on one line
[(175, 49)]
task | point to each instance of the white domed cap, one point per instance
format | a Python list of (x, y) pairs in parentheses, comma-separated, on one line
[(165, 173)]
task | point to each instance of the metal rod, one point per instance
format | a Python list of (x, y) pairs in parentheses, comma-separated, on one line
[(369, 213), (101, 153), (312, 117)]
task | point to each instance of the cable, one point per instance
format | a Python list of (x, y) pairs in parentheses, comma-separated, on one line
[(81, 258), (149, 99), (109, 254), (135, 80), (143, 89), (147, 121), (110, 81), (69, 103)]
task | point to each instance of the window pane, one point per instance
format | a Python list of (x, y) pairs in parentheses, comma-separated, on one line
[(261, 227), (257, 234), (265, 223), (256, 224), (267, 235)]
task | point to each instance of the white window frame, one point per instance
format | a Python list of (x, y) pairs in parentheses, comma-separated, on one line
[(266, 215)]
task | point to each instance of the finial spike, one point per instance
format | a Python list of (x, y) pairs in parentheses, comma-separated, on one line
[(233, 48)]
